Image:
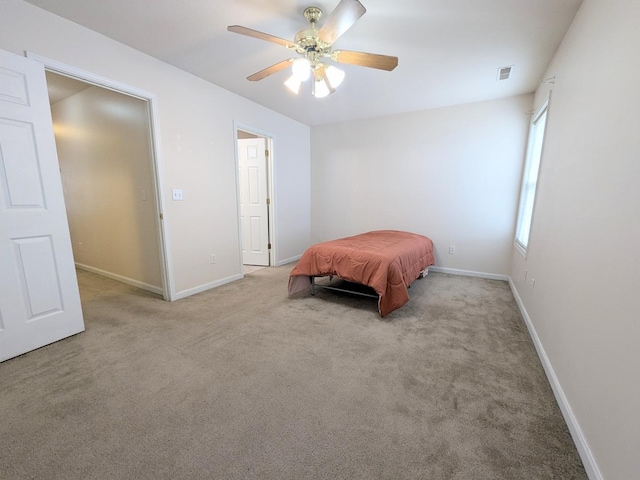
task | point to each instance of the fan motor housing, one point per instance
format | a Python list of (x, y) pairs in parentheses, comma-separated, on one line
[(307, 40)]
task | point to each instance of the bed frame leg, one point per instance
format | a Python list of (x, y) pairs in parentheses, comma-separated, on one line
[(313, 285)]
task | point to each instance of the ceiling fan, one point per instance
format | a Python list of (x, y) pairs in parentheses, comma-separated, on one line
[(314, 45)]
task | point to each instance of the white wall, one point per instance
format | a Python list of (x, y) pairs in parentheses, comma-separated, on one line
[(452, 174), (583, 251), (105, 155), (197, 142)]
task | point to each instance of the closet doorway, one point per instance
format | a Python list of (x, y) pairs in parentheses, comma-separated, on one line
[(107, 157), (255, 200)]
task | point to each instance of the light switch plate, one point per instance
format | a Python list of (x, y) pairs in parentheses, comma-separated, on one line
[(177, 194)]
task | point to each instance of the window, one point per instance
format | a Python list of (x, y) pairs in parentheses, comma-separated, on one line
[(530, 177)]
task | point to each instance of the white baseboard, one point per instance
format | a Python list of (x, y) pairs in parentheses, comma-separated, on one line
[(120, 278), (470, 273), (584, 451), (289, 260), (207, 286)]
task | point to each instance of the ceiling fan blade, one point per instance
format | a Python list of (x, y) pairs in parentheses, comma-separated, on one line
[(373, 60), (261, 36), (340, 20), (270, 70)]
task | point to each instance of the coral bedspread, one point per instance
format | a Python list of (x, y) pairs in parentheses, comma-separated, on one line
[(386, 260)]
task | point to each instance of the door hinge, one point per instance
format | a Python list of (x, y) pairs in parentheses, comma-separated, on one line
[(268, 246), (268, 201), (161, 217), (266, 153)]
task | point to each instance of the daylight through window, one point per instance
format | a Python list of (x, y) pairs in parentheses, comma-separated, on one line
[(530, 177)]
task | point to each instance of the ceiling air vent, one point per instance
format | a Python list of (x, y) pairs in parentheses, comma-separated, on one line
[(504, 73)]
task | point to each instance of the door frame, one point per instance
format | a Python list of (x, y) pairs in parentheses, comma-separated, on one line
[(270, 140), (168, 289)]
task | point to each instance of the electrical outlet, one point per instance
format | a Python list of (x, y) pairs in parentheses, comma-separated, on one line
[(452, 249), (176, 194), (213, 258)]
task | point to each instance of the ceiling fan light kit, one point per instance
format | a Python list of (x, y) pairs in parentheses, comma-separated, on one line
[(315, 45), (335, 75), (320, 89), (293, 84), (301, 69)]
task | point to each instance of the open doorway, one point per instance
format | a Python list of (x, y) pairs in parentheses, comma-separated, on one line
[(108, 166), (255, 166)]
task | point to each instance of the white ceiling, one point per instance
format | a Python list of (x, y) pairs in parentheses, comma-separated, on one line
[(449, 50)]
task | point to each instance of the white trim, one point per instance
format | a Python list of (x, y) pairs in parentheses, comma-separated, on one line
[(289, 260), (541, 109), (89, 77), (271, 180), (207, 286), (577, 434), (166, 265), (470, 273), (121, 278), (236, 160), (520, 248), (270, 139)]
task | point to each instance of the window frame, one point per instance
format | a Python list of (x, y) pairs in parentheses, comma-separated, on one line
[(529, 185)]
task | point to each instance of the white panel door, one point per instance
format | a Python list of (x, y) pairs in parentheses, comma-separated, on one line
[(39, 299), (254, 212)]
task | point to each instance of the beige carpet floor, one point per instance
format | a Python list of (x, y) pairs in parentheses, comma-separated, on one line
[(247, 269), (244, 382)]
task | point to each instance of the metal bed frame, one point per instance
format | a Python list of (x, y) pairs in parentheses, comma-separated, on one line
[(337, 289), (423, 274)]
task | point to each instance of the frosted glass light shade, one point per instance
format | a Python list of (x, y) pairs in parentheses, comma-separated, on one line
[(301, 69), (293, 84), (320, 89), (335, 76)]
